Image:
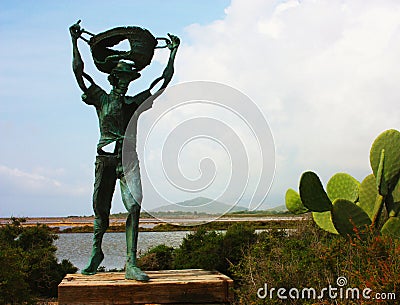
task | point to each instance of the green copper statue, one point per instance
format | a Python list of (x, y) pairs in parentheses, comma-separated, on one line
[(114, 111)]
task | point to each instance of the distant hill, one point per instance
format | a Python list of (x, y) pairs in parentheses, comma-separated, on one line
[(199, 205), (280, 208)]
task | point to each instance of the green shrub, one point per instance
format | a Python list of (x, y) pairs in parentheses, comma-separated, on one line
[(210, 250), (14, 288), (237, 238), (28, 262), (214, 251), (157, 258), (200, 250)]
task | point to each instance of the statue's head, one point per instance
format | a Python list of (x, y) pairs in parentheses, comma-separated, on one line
[(121, 76)]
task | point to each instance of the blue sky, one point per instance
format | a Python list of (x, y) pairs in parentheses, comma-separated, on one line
[(324, 73)]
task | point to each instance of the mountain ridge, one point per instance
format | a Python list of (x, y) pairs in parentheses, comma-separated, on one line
[(200, 205)]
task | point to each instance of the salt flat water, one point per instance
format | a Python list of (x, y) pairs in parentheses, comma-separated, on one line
[(77, 247)]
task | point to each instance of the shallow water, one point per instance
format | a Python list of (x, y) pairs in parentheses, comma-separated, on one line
[(77, 247)]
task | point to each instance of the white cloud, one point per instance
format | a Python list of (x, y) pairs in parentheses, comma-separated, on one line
[(24, 182), (325, 73), (273, 26)]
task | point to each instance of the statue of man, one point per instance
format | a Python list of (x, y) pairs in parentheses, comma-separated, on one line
[(114, 111)]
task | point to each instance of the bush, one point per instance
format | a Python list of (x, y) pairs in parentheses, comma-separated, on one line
[(373, 261), (202, 249), (28, 263), (157, 258), (14, 288), (236, 240), (311, 257)]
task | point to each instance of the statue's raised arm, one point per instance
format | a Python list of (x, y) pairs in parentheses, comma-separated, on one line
[(173, 45), (77, 63)]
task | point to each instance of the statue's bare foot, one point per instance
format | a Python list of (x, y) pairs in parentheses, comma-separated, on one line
[(134, 273), (94, 263)]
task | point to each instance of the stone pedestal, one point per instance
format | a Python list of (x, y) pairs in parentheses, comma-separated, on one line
[(193, 286)]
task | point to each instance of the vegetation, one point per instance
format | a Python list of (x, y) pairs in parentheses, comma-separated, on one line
[(306, 257), (203, 249), (182, 214), (157, 258), (259, 213), (348, 206), (89, 229), (314, 258), (28, 264)]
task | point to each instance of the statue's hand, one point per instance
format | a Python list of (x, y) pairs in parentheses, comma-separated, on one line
[(174, 43), (75, 30)]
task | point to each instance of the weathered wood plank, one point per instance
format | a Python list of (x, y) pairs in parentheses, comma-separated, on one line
[(193, 286)]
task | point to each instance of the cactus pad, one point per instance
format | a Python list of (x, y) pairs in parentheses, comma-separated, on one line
[(389, 140), (348, 217), (381, 184), (368, 194), (396, 193), (344, 186), (293, 202), (324, 221), (312, 193), (391, 227), (393, 201)]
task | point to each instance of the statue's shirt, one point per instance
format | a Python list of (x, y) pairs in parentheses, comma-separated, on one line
[(114, 112)]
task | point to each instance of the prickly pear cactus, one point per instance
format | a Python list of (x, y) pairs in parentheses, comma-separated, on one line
[(368, 195), (342, 185), (391, 227), (324, 221), (392, 207), (356, 205), (348, 218), (393, 204), (389, 141), (312, 193), (293, 202), (381, 183)]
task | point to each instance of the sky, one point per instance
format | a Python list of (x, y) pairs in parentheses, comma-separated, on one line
[(324, 74)]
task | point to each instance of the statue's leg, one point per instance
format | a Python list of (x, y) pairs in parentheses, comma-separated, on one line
[(132, 203), (104, 186)]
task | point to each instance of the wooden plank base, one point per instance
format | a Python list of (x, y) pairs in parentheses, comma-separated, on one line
[(193, 286)]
